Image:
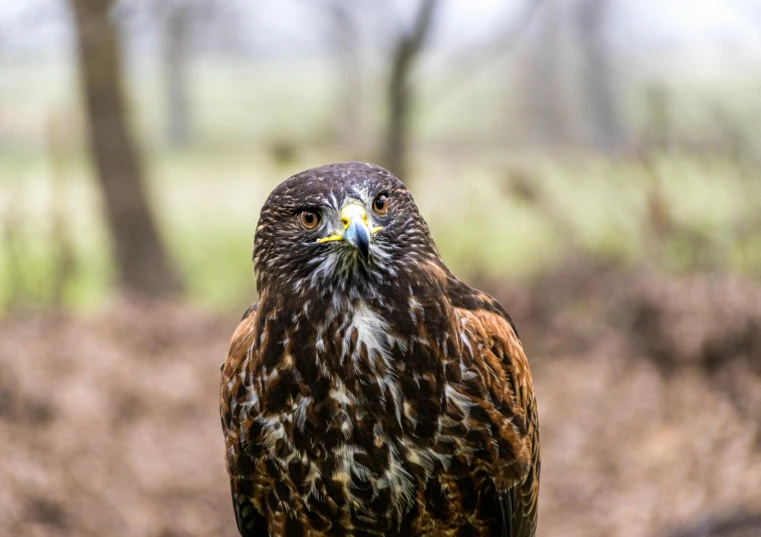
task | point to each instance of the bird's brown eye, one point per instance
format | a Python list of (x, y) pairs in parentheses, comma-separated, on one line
[(380, 205), (309, 219)]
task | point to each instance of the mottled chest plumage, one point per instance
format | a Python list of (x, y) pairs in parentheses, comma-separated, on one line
[(357, 427)]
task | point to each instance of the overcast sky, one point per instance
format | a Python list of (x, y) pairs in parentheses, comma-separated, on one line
[(708, 31)]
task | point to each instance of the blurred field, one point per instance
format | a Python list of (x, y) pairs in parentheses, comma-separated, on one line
[(506, 214), (633, 281), (493, 206), (632, 269)]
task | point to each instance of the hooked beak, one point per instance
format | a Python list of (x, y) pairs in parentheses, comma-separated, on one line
[(356, 231), (358, 235)]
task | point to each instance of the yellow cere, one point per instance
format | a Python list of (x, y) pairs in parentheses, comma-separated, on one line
[(351, 211), (348, 213)]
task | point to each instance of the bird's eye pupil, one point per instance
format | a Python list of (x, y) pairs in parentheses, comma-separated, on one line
[(309, 219), (380, 204)]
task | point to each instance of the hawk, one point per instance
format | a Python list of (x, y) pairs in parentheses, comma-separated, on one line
[(369, 392)]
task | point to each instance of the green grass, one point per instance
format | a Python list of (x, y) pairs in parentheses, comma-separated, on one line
[(207, 205)]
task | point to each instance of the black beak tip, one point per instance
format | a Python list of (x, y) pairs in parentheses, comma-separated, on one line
[(363, 245)]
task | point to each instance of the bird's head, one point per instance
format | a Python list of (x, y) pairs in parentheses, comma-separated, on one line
[(342, 227)]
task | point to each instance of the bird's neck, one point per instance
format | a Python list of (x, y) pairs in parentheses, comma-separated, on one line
[(334, 331)]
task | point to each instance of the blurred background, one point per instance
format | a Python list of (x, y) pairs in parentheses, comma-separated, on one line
[(594, 164)]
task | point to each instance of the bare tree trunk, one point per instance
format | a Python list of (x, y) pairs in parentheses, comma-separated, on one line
[(606, 129), (142, 262), (478, 60), (545, 86), (176, 59), (346, 38), (400, 92)]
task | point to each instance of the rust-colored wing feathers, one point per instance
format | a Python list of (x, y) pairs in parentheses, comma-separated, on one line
[(502, 351), (249, 520)]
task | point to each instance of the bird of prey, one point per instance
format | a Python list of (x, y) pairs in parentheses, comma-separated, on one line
[(369, 392)]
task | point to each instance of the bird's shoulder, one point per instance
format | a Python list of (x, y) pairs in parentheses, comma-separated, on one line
[(488, 325), (496, 349), (234, 394), (240, 345)]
